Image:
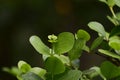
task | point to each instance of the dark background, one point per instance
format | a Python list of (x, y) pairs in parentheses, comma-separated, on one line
[(20, 19)]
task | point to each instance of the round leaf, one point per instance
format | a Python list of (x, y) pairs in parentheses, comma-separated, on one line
[(82, 34), (64, 43), (54, 65), (114, 42)]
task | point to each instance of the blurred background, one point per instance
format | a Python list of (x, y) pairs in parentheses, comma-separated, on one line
[(20, 19)]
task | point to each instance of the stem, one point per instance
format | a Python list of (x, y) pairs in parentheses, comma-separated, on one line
[(112, 11)]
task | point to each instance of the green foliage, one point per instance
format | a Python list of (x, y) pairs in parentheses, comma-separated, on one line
[(54, 66), (61, 60), (97, 27), (109, 70), (64, 43)]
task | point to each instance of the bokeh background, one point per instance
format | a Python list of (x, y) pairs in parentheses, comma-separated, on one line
[(20, 19)]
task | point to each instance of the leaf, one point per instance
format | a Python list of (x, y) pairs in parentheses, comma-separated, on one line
[(39, 45), (23, 66), (82, 34), (97, 27), (108, 53), (64, 43), (39, 71), (30, 76), (109, 70), (72, 75), (114, 42), (117, 2), (111, 3), (96, 42), (76, 51), (115, 31), (94, 72), (64, 59), (53, 65), (14, 71)]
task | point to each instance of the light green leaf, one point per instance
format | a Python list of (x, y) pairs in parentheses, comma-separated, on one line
[(53, 65), (64, 43), (14, 70), (108, 53), (114, 42), (72, 75), (39, 45), (39, 71), (96, 42), (23, 66), (117, 2), (82, 34), (30, 76), (94, 72), (64, 59), (109, 70), (96, 26)]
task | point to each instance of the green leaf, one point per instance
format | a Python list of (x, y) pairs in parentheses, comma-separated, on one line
[(97, 27), (117, 2), (72, 75), (108, 53), (64, 59), (64, 43), (114, 42), (30, 76), (113, 20), (115, 31), (82, 34), (14, 71), (39, 45), (109, 70), (111, 3), (54, 65), (96, 42), (94, 72), (39, 71), (76, 51), (23, 66)]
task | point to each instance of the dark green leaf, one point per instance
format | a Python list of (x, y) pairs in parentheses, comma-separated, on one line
[(82, 34), (72, 75), (109, 70), (39, 45), (64, 43), (115, 31), (96, 42), (96, 26), (30, 76), (54, 66), (76, 51)]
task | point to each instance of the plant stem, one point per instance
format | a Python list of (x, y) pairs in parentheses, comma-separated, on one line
[(112, 11)]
